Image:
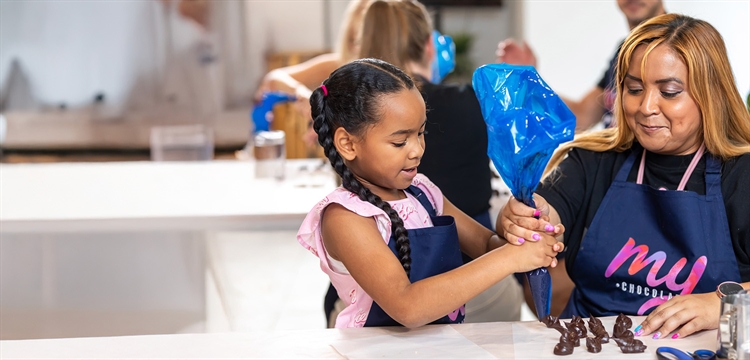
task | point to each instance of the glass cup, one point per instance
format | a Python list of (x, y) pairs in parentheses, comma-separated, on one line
[(182, 143)]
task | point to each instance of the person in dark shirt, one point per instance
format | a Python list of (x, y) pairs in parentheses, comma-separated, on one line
[(596, 105), (654, 212)]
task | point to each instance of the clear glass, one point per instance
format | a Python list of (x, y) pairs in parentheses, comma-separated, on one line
[(270, 154), (182, 143)]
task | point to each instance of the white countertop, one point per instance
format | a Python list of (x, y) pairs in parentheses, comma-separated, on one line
[(519, 340), (124, 196)]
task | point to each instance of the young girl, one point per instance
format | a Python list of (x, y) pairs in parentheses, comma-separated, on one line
[(388, 239)]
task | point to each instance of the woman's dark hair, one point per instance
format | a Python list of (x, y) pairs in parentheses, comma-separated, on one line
[(352, 102)]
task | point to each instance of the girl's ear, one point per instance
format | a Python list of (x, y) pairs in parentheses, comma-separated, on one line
[(344, 143)]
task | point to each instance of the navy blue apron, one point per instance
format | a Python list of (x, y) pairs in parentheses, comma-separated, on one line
[(434, 250), (647, 245)]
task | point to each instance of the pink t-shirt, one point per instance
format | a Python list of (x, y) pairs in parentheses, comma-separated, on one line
[(410, 210)]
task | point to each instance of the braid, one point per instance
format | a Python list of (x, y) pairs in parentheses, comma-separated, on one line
[(325, 122)]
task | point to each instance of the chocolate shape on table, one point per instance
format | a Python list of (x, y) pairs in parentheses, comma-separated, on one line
[(569, 333), (593, 345), (597, 329), (633, 347), (625, 320), (563, 349), (595, 324), (566, 344), (578, 327), (550, 320), (622, 342)]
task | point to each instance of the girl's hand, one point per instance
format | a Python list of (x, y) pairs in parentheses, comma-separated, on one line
[(519, 223), (694, 312), (542, 253)]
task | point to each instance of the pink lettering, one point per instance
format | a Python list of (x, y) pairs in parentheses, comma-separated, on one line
[(658, 258)]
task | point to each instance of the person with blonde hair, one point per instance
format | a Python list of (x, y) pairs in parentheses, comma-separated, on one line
[(301, 78), (655, 210)]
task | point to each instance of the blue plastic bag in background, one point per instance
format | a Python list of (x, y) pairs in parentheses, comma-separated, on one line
[(445, 57), (526, 121)]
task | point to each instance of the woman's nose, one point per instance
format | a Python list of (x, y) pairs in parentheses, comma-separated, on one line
[(650, 103)]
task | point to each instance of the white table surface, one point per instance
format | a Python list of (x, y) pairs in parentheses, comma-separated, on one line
[(126, 196), (519, 340)]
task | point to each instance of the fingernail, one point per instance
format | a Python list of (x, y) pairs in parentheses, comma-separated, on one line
[(521, 240), (537, 213), (536, 237), (675, 336), (637, 329), (549, 228), (638, 333), (657, 335)]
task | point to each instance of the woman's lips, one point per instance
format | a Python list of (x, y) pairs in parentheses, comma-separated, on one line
[(651, 129)]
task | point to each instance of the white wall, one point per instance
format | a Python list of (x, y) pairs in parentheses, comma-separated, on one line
[(574, 40), (72, 50)]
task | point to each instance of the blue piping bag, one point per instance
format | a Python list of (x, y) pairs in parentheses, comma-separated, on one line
[(445, 57), (526, 122)]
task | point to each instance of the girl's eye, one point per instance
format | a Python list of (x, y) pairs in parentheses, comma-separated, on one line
[(670, 95), (399, 144), (424, 132)]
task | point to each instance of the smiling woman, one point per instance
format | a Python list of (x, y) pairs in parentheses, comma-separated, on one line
[(658, 193)]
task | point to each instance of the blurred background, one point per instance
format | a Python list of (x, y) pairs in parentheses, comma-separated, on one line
[(100, 236)]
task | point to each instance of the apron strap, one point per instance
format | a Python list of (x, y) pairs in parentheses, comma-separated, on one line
[(685, 176), (713, 175), (420, 195)]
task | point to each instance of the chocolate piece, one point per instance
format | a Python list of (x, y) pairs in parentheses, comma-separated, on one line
[(633, 347), (623, 342), (593, 345), (578, 327), (622, 318), (563, 349), (597, 329), (550, 320), (567, 342)]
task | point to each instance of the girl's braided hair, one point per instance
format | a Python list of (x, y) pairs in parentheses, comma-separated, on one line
[(349, 98)]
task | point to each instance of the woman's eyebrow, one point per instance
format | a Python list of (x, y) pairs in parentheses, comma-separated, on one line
[(631, 77), (671, 79)]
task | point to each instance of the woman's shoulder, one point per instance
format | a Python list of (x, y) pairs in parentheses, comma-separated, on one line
[(737, 167)]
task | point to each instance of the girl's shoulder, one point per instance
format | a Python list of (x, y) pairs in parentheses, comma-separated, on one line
[(431, 190), (308, 233)]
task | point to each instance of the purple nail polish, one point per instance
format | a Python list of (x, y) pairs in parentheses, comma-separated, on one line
[(675, 336), (657, 335), (521, 240), (638, 332), (549, 228), (536, 237), (537, 213)]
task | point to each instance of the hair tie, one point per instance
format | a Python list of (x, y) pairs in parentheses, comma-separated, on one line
[(325, 91)]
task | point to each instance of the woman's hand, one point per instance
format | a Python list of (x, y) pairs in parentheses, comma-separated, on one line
[(694, 312), (519, 223), (542, 253)]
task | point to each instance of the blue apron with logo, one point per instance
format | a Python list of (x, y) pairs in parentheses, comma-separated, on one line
[(647, 245), (434, 250)]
